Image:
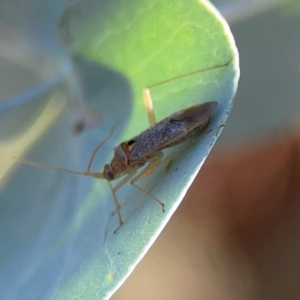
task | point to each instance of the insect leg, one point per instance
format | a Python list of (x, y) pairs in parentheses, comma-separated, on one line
[(113, 191), (149, 169), (146, 92), (124, 180), (149, 106), (192, 73), (118, 207)]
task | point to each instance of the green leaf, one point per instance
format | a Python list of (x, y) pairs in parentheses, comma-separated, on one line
[(150, 42), (184, 51)]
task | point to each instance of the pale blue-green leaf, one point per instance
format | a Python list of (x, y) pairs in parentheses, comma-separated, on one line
[(62, 232)]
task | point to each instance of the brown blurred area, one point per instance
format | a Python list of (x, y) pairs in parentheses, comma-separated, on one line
[(236, 234)]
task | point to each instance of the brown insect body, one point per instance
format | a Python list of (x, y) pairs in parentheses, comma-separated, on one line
[(175, 129), (146, 148), (185, 125)]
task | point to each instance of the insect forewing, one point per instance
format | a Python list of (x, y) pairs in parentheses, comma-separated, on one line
[(199, 113), (171, 131)]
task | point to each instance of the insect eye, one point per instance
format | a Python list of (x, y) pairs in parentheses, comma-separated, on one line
[(131, 142), (108, 173)]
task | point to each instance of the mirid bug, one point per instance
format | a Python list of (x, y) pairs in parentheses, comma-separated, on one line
[(146, 149)]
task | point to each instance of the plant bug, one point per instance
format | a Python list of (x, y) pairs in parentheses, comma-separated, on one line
[(146, 149)]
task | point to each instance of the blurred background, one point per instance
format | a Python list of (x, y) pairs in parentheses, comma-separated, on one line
[(212, 248)]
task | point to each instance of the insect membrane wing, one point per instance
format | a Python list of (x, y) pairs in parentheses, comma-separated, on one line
[(199, 113)]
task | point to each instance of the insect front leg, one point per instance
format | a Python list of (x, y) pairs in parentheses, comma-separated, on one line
[(118, 207), (153, 164), (117, 204), (124, 181)]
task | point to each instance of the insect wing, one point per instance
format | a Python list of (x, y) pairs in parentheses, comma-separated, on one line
[(199, 114), (170, 131)]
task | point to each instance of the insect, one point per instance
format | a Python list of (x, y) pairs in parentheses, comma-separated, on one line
[(146, 149)]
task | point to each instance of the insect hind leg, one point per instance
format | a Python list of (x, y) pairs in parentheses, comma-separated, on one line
[(149, 106), (146, 91)]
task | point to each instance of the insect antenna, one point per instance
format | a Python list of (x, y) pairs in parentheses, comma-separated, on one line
[(44, 166), (87, 173), (97, 149)]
